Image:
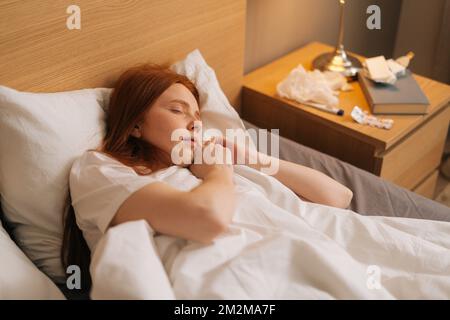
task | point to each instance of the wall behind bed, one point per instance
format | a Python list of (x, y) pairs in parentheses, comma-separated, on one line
[(39, 53)]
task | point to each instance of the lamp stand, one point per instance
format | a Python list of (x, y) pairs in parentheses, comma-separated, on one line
[(339, 60)]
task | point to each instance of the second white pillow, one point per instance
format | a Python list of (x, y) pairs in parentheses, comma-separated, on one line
[(41, 135)]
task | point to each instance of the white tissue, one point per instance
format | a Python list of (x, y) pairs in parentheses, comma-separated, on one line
[(386, 71), (396, 68), (312, 86), (378, 70)]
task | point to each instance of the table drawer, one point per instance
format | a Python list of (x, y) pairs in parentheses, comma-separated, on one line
[(414, 158), (427, 187)]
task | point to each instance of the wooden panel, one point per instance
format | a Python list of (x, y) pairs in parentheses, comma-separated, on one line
[(428, 186), (39, 53), (418, 155)]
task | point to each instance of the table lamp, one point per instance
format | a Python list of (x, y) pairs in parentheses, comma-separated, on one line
[(338, 60)]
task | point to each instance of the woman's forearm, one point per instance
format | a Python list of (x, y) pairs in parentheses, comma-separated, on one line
[(216, 194), (311, 184)]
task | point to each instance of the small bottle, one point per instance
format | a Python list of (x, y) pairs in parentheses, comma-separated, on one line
[(404, 60)]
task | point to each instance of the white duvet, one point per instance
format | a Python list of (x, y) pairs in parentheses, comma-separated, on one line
[(277, 247)]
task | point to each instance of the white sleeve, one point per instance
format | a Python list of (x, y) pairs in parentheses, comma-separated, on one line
[(98, 186)]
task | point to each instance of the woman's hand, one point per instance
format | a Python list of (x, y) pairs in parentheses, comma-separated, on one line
[(217, 176), (208, 166), (241, 154), (202, 170)]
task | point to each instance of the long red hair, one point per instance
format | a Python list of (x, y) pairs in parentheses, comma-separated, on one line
[(133, 95)]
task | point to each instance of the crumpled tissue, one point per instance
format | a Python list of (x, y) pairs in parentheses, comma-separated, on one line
[(385, 71), (313, 86)]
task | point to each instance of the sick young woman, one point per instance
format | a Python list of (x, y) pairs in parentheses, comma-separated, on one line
[(120, 181)]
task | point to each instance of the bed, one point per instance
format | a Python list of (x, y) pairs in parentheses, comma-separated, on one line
[(43, 55)]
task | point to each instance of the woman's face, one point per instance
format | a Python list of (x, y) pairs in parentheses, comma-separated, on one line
[(176, 108)]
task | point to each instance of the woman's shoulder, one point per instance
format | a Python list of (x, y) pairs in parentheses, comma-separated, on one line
[(92, 161), (97, 163), (96, 157)]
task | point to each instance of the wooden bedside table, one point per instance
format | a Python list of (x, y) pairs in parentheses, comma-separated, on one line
[(408, 154)]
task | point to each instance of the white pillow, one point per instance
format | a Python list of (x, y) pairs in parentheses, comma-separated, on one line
[(216, 110), (47, 131), (19, 278), (41, 135)]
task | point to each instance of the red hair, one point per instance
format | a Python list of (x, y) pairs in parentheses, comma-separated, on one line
[(134, 93)]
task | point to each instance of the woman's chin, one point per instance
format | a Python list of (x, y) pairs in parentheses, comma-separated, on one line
[(185, 165)]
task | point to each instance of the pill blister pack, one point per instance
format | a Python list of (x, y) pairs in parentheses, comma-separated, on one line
[(363, 117)]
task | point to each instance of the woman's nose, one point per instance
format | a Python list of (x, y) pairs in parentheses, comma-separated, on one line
[(195, 125)]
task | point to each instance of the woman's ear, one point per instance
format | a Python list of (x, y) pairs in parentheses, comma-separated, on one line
[(136, 132)]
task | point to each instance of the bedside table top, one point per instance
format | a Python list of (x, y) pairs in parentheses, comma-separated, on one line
[(265, 79)]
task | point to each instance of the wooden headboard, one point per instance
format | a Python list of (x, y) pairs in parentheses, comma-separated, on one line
[(39, 53)]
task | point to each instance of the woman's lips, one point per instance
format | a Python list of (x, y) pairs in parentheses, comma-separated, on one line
[(192, 140), (187, 139)]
